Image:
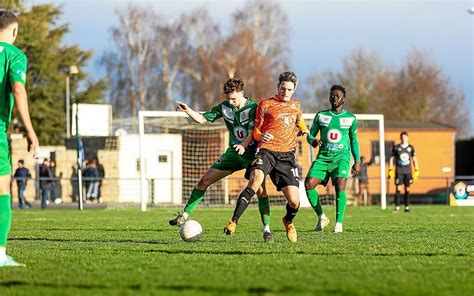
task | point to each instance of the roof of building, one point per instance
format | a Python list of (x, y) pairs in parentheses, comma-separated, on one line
[(399, 125)]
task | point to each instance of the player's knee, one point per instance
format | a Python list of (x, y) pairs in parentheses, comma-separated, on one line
[(203, 183), (261, 192), (294, 203), (309, 183), (340, 184)]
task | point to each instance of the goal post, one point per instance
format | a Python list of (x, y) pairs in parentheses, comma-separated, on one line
[(178, 119)]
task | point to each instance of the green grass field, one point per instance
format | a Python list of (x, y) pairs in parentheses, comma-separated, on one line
[(126, 252)]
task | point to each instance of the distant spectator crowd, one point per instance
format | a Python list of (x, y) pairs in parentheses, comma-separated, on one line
[(50, 189)]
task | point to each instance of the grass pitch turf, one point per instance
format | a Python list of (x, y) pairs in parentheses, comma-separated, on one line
[(429, 251)]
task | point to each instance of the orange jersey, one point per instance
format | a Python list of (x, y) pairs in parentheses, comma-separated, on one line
[(280, 119)]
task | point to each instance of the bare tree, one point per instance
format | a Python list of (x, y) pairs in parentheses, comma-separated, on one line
[(202, 62), (359, 75), (131, 68), (417, 91), (259, 46)]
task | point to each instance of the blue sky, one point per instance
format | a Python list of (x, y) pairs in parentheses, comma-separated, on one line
[(323, 32)]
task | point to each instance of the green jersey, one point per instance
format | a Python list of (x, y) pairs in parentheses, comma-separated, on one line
[(239, 122), (338, 134), (12, 69)]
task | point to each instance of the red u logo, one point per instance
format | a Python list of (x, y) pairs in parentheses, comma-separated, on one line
[(333, 136)]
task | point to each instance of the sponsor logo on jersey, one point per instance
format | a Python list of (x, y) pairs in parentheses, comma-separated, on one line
[(404, 159), (240, 134), (344, 172), (334, 136), (228, 113), (244, 116), (2, 48), (346, 122), (409, 149), (324, 120)]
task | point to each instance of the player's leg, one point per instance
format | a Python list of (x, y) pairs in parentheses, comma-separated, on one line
[(408, 181), (256, 180), (339, 170), (317, 174), (285, 177), (341, 201), (310, 185), (398, 188), (262, 195), (264, 210), (5, 202), (210, 177), (259, 168)]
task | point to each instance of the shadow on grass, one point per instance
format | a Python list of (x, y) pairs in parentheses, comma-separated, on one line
[(51, 285), (272, 252), (94, 229), (63, 240), (156, 288)]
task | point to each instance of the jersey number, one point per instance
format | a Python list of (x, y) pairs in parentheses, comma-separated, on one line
[(295, 172)]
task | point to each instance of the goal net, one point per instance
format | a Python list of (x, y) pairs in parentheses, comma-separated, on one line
[(201, 145)]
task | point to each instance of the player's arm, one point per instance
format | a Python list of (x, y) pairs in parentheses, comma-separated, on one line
[(196, 116), (240, 148), (355, 148), (415, 164), (21, 101), (313, 132), (391, 164), (258, 135)]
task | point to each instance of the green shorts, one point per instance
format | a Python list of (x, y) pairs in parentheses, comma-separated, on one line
[(5, 161), (334, 167), (232, 161)]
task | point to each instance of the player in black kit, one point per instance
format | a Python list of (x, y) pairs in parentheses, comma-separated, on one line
[(403, 155)]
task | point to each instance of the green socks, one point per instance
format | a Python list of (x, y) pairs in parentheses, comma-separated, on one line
[(264, 209), (341, 201), (314, 201), (5, 218), (194, 200)]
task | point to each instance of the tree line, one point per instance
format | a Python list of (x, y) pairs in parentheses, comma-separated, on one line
[(155, 60)]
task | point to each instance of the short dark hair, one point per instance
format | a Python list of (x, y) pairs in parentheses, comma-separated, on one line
[(232, 85), (288, 76), (338, 87), (21, 161), (403, 133), (7, 18)]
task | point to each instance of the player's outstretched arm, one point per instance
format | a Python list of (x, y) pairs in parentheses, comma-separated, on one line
[(302, 126), (196, 116), (21, 101)]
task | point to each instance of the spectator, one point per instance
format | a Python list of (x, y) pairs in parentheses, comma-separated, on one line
[(101, 175), (21, 176), (46, 177), (92, 176), (54, 184), (363, 187)]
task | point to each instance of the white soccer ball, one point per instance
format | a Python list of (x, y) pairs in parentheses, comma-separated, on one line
[(190, 231)]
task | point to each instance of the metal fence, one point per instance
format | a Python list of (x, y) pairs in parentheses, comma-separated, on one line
[(110, 190)]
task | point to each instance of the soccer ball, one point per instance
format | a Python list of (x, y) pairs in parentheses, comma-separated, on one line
[(190, 231)]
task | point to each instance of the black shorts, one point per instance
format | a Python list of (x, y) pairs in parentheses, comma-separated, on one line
[(401, 178), (281, 166)]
